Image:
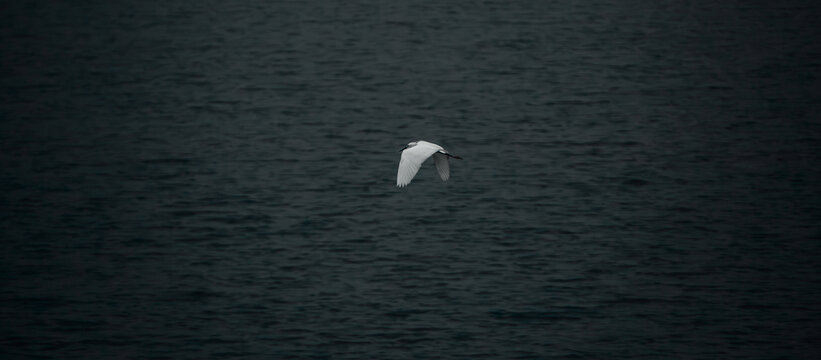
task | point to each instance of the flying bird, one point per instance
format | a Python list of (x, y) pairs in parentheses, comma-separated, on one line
[(415, 154)]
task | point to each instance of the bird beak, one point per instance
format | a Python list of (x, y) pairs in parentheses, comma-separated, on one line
[(403, 149)]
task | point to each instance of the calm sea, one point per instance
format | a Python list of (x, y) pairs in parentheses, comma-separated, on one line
[(216, 180)]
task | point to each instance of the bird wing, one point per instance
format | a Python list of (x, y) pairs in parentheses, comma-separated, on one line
[(412, 158), (442, 165)]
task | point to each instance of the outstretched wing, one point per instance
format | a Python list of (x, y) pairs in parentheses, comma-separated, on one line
[(442, 165), (412, 158)]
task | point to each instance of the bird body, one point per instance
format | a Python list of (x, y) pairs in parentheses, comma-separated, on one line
[(415, 154)]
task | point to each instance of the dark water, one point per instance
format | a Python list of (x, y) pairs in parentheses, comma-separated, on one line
[(189, 180)]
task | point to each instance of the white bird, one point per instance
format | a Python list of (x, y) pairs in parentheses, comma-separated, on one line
[(415, 154)]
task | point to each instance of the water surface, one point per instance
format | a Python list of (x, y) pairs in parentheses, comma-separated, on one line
[(217, 180)]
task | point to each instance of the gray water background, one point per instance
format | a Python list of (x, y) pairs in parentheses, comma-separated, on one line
[(189, 180)]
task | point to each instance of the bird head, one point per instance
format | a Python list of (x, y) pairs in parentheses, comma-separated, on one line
[(410, 145)]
